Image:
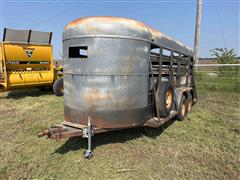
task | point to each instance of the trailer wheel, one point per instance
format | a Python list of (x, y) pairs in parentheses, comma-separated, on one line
[(58, 87), (182, 110), (166, 98), (189, 102)]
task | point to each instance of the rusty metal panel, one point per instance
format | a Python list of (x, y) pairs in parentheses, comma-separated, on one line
[(111, 83), (110, 26)]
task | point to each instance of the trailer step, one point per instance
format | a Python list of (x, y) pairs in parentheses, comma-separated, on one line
[(155, 123)]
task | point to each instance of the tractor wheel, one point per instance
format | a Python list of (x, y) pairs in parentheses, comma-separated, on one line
[(182, 110), (58, 87), (166, 98)]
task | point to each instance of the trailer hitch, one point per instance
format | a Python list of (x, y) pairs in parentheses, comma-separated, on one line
[(68, 129), (54, 132)]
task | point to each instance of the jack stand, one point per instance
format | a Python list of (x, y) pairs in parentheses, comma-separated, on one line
[(88, 133)]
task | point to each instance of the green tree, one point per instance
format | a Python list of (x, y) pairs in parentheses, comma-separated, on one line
[(225, 56)]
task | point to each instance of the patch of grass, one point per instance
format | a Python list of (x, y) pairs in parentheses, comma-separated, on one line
[(215, 81), (205, 145)]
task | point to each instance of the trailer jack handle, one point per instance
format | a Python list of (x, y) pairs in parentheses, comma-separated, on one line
[(88, 133)]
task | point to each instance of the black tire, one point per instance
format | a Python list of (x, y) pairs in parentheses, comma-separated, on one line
[(182, 109), (165, 98), (189, 102), (58, 87)]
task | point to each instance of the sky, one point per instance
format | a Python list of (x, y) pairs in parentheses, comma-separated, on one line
[(176, 18)]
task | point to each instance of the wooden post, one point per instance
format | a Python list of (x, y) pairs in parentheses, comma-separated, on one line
[(197, 31)]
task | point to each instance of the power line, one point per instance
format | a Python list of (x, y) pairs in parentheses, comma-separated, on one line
[(57, 15), (43, 11), (53, 16), (221, 24)]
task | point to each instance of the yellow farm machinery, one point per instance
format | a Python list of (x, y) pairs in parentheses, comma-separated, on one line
[(26, 61)]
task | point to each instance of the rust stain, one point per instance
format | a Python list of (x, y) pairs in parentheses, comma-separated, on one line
[(96, 94), (93, 29), (81, 118), (134, 23)]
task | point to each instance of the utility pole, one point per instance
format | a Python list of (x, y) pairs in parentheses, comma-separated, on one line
[(197, 31)]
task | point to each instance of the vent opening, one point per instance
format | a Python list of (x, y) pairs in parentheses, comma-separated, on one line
[(78, 52)]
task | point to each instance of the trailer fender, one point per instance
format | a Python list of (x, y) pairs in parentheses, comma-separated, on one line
[(179, 92)]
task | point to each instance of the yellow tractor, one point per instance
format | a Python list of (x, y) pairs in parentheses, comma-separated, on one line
[(26, 61)]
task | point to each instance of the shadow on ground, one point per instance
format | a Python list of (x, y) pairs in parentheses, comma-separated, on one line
[(18, 94), (119, 136)]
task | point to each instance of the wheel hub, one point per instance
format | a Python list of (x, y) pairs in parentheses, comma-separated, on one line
[(168, 98)]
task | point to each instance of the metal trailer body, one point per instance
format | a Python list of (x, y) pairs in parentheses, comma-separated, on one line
[(112, 81), (26, 60), (113, 68)]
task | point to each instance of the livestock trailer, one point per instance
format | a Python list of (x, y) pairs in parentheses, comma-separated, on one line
[(26, 60), (120, 73)]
